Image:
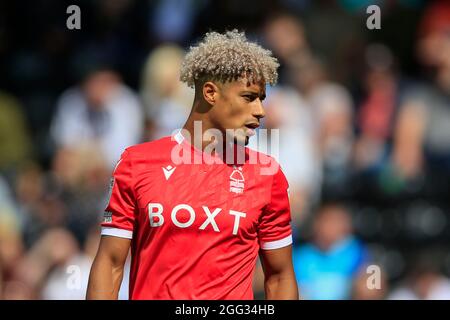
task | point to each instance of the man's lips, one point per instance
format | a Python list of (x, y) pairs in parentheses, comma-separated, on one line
[(251, 128), (252, 125)]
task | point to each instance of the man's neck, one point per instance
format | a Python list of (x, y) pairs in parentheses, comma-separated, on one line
[(196, 137), (196, 132)]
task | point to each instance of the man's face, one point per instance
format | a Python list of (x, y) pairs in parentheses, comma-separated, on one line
[(238, 106)]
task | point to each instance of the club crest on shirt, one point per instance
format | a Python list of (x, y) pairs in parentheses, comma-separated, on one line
[(237, 181)]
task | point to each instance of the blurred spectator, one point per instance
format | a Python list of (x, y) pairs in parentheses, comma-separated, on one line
[(423, 282), (333, 110), (422, 137), (382, 152), (377, 112), (15, 142), (69, 279), (307, 75), (285, 35), (100, 111), (167, 100), (62, 198), (326, 267), (83, 189), (53, 249), (39, 208)]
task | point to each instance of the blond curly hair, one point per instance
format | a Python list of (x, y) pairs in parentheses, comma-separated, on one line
[(228, 57)]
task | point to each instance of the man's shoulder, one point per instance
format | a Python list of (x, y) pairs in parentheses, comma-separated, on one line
[(259, 153), (150, 148), (260, 158)]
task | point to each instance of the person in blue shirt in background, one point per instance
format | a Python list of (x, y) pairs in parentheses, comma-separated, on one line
[(326, 267)]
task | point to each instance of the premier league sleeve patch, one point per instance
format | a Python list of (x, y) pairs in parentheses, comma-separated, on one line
[(107, 217)]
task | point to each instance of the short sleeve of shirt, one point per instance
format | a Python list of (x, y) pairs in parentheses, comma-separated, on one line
[(118, 219), (275, 224)]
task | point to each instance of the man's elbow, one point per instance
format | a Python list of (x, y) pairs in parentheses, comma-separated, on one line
[(281, 286)]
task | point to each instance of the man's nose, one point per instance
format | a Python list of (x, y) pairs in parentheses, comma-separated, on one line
[(258, 111)]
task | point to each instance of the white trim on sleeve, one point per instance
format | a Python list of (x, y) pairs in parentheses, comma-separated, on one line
[(115, 232), (270, 245)]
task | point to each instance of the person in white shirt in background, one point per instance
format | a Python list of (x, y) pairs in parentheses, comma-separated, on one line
[(102, 111)]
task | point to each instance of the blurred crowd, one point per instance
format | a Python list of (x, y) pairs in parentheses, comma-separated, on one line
[(364, 120)]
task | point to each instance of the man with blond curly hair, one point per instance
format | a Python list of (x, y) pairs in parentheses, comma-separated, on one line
[(198, 207)]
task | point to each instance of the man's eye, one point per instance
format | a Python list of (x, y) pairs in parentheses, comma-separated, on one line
[(249, 97)]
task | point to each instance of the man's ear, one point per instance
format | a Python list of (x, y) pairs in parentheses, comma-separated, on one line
[(210, 92)]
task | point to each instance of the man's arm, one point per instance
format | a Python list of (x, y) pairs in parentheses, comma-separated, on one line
[(107, 270), (279, 277)]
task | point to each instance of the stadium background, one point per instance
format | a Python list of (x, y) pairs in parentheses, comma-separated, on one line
[(363, 115)]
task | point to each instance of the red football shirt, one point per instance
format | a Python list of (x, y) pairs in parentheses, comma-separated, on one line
[(196, 229)]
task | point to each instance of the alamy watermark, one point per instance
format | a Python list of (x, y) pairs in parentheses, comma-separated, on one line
[(374, 20), (217, 149), (74, 20), (74, 279), (373, 281)]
